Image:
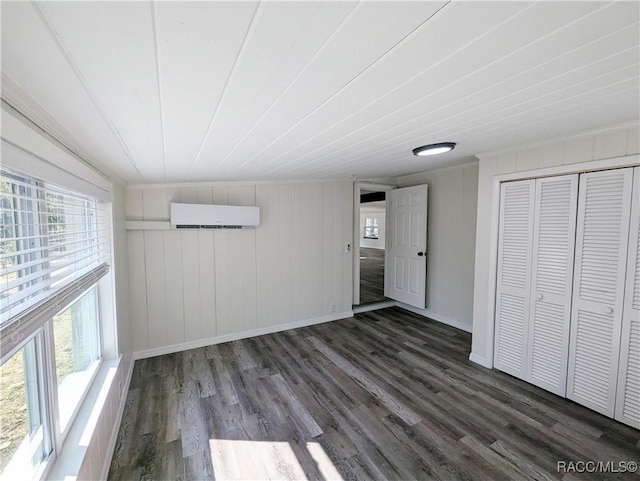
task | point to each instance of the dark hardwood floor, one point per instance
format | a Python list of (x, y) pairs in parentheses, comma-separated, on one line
[(385, 395), (371, 275)]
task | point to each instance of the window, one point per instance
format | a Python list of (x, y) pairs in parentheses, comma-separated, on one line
[(51, 237), (24, 441), (53, 254), (371, 228), (77, 350)]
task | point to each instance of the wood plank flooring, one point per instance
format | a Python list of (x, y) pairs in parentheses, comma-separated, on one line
[(371, 275), (385, 395)]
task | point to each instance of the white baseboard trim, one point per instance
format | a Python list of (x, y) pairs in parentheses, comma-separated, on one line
[(116, 424), (184, 346), (436, 317), (373, 307), (473, 357)]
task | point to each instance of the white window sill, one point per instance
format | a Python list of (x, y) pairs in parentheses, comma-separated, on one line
[(69, 461)]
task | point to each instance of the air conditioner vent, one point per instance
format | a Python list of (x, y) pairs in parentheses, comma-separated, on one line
[(202, 216)]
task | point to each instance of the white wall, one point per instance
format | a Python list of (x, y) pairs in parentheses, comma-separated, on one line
[(451, 242), (373, 243), (197, 287), (558, 156)]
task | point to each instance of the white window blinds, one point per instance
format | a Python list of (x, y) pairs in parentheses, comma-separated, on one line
[(50, 239)]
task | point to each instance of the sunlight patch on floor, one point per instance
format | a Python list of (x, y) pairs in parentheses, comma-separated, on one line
[(324, 464), (257, 460)]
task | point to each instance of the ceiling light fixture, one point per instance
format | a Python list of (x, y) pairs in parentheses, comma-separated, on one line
[(434, 149)]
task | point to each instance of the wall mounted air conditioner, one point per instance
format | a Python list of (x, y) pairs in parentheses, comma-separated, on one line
[(200, 216)]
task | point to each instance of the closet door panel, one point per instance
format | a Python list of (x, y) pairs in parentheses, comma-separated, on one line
[(628, 396), (601, 250), (553, 254), (514, 276)]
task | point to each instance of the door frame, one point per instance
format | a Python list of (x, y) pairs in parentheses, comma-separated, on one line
[(358, 187)]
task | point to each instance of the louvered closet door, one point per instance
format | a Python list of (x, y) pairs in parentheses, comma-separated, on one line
[(628, 397), (596, 314), (514, 276), (554, 231)]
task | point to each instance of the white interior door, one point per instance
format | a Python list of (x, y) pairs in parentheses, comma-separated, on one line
[(554, 231), (600, 262), (406, 257), (628, 397), (514, 276)]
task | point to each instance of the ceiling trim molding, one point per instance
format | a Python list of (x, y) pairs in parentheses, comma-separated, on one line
[(461, 165), (43, 132), (560, 139)]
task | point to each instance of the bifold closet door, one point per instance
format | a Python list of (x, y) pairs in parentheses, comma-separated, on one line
[(514, 276), (628, 396), (604, 203), (554, 231)]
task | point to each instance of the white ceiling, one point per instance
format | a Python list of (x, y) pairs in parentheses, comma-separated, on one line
[(206, 91)]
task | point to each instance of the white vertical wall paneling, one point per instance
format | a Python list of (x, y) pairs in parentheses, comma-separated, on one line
[(514, 276), (276, 307), (286, 236), (187, 195), (207, 326), (451, 245), (173, 268), (262, 253), (330, 246), (340, 240), (298, 251), (554, 231), (309, 259), (249, 302), (601, 252), (134, 205), (222, 274), (152, 204), (243, 260), (155, 279), (237, 291), (204, 195), (155, 203), (138, 293), (628, 395), (346, 199), (206, 272), (319, 250), (452, 210), (206, 284), (191, 283)]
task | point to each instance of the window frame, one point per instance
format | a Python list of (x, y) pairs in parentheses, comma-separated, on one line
[(371, 229), (40, 331), (60, 434), (39, 339)]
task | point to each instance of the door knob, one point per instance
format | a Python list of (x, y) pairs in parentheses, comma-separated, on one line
[(608, 310), (539, 296), (420, 254)]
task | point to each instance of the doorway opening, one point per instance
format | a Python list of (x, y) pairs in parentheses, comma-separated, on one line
[(370, 225), (372, 247)]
